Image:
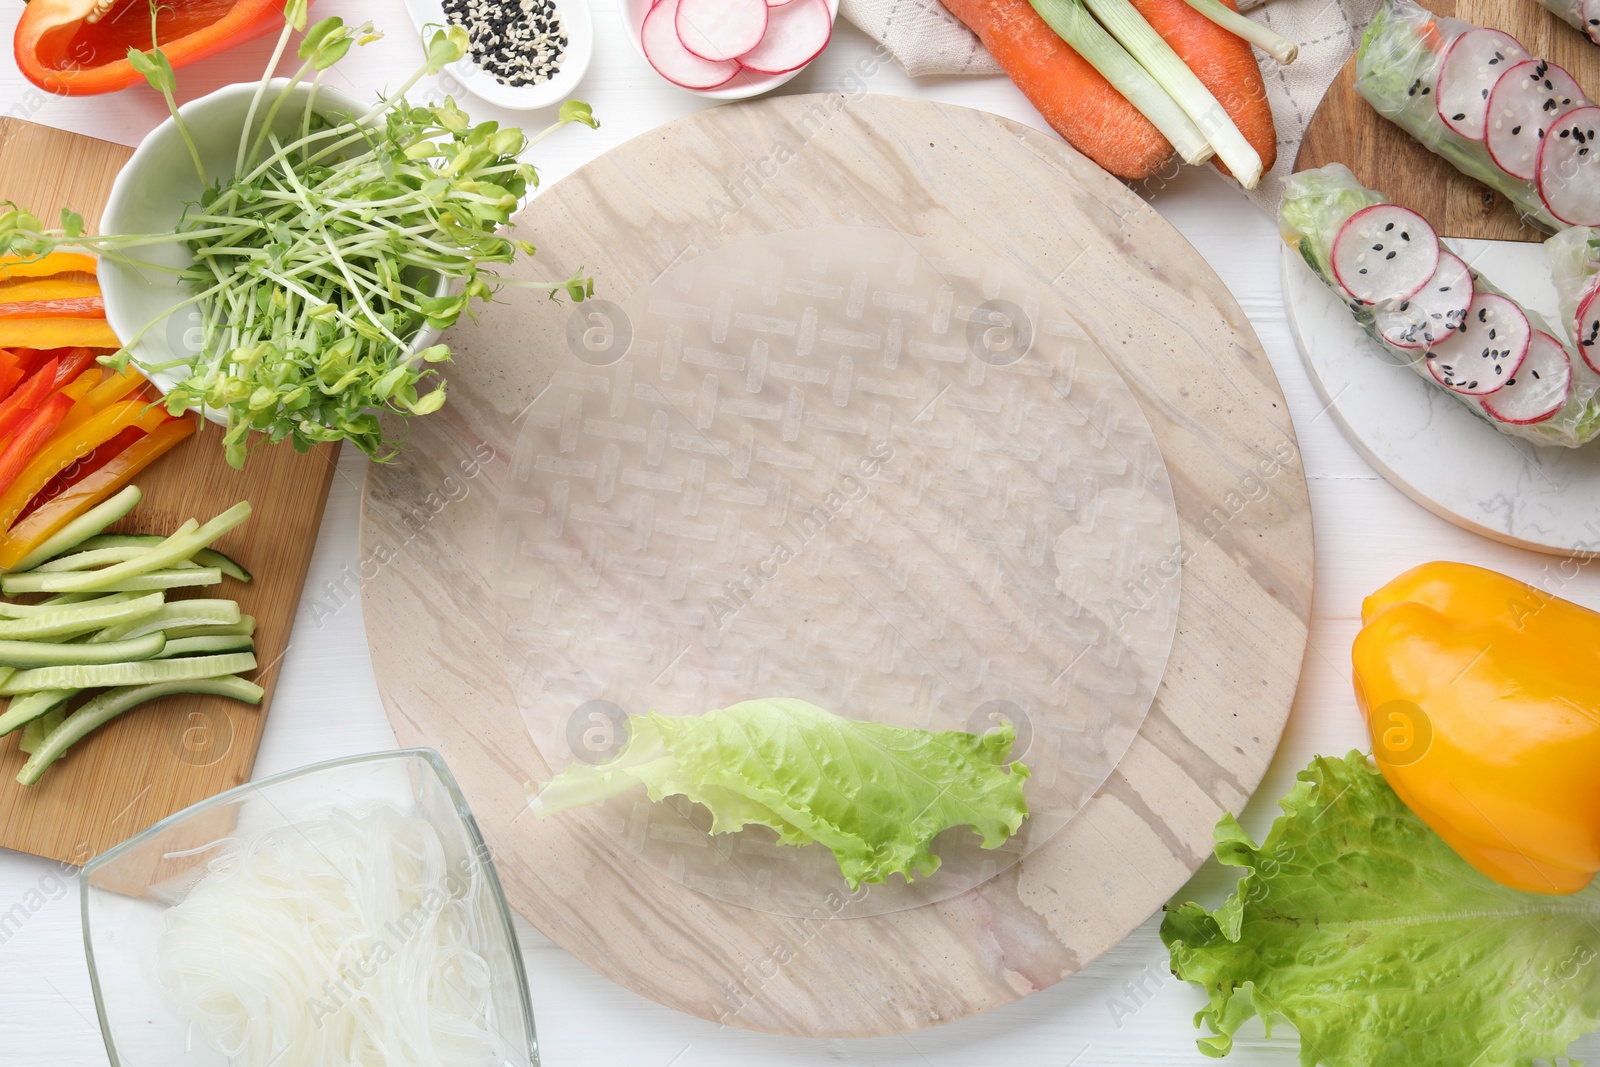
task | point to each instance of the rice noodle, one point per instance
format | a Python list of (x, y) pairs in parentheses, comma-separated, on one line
[(351, 940)]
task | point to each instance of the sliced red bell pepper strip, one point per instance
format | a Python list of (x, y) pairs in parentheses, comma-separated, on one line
[(82, 469), (46, 266), (15, 408), (98, 487), (31, 438), (72, 367), (67, 448), (59, 49), (75, 307)]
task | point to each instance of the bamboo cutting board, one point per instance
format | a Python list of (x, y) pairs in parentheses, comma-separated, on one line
[(169, 754), (1347, 130), (1141, 295)]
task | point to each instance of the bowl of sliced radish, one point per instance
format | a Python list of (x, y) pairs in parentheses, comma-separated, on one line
[(729, 49)]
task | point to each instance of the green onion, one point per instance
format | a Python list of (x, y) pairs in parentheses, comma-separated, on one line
[(1265, 38), (1086, 36), (1145, 44)]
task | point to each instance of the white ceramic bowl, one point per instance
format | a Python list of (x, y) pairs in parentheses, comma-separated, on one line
[(744, 84), (576, 20), (150, 195)]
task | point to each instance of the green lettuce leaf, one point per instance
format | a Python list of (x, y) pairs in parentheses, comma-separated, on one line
[(875, 794), (1359, 926)]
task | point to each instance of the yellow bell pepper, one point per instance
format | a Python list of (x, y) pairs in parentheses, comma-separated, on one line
[(1482, 696)]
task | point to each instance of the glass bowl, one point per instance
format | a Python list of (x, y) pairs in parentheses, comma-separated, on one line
[(128, 891)]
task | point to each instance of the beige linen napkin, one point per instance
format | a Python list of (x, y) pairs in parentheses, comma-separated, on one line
[(927, 40)]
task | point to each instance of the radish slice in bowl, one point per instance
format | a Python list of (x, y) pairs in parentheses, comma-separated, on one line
[(721, 30), (1540, 387), (666, 53), (797, 32)]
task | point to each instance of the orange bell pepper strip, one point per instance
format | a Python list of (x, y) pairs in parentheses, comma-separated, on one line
[(97, 488), (46, 266), (68, 448), (31, 438), (46, 289), (77, 307), (57, 333), (62, 50)]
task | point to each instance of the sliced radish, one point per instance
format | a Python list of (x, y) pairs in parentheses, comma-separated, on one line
[(796, 33), (1486, 351), (1434, 312), (1590, 12), (1385, 252), (674, 62), (1569, 180), (1473, 64), (1540, 387), (778, 3), (720, 30), (1587, 333), (1524, 103)]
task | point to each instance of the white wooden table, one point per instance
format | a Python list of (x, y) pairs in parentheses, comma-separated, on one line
[(1124, 1009)]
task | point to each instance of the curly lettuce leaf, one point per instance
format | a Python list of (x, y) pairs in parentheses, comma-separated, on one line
[(875, 794), (1359, 926)]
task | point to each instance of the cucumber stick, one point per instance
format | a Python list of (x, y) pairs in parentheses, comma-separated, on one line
[(205, 646), (35, 732), (83, 527), (30, 706), (56, 603), (146, 672), (243, 628), (122, 609), (182, 544), (180, 614), (121, 547), (35, 582), (23, 654), (101, 709)]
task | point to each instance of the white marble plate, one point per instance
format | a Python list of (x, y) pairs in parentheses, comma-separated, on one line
[(1426, 443)]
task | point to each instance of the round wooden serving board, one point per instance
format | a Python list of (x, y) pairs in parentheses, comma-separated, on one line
[(1347, 130), (1141, 294)]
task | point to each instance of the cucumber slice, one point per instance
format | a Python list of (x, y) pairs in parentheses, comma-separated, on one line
[(183, 543), (56, 603), (23, 654), (83, 527), (124, 609), (245, 627), (35, 732), (27, 708), (122, 674), (206, 557), (181, 614), (35, 582), (101, 709), (202, 646)]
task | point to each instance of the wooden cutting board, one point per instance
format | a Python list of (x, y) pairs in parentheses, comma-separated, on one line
[(171, 753), (1345, 129), (1142, 296)]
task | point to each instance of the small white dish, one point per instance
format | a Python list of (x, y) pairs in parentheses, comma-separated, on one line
[(742, 86), (150, 195), (575, 20)]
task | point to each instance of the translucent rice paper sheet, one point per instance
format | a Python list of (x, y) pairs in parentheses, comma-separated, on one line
[(842, 465)]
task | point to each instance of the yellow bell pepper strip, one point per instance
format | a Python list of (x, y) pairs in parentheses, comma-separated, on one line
[(1482, 696), (46, 289), (97, 395), (57, 333), (105, 482), (46, 266), (67, 448)]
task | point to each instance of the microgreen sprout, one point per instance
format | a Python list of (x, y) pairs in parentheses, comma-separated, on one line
[(318, 262)]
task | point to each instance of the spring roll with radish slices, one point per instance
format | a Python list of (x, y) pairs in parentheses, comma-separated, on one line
[(1581, 15), (1516, 123), (1436, 315)]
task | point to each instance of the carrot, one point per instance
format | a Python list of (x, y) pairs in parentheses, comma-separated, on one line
[(1074, 98), (1225, 65)]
